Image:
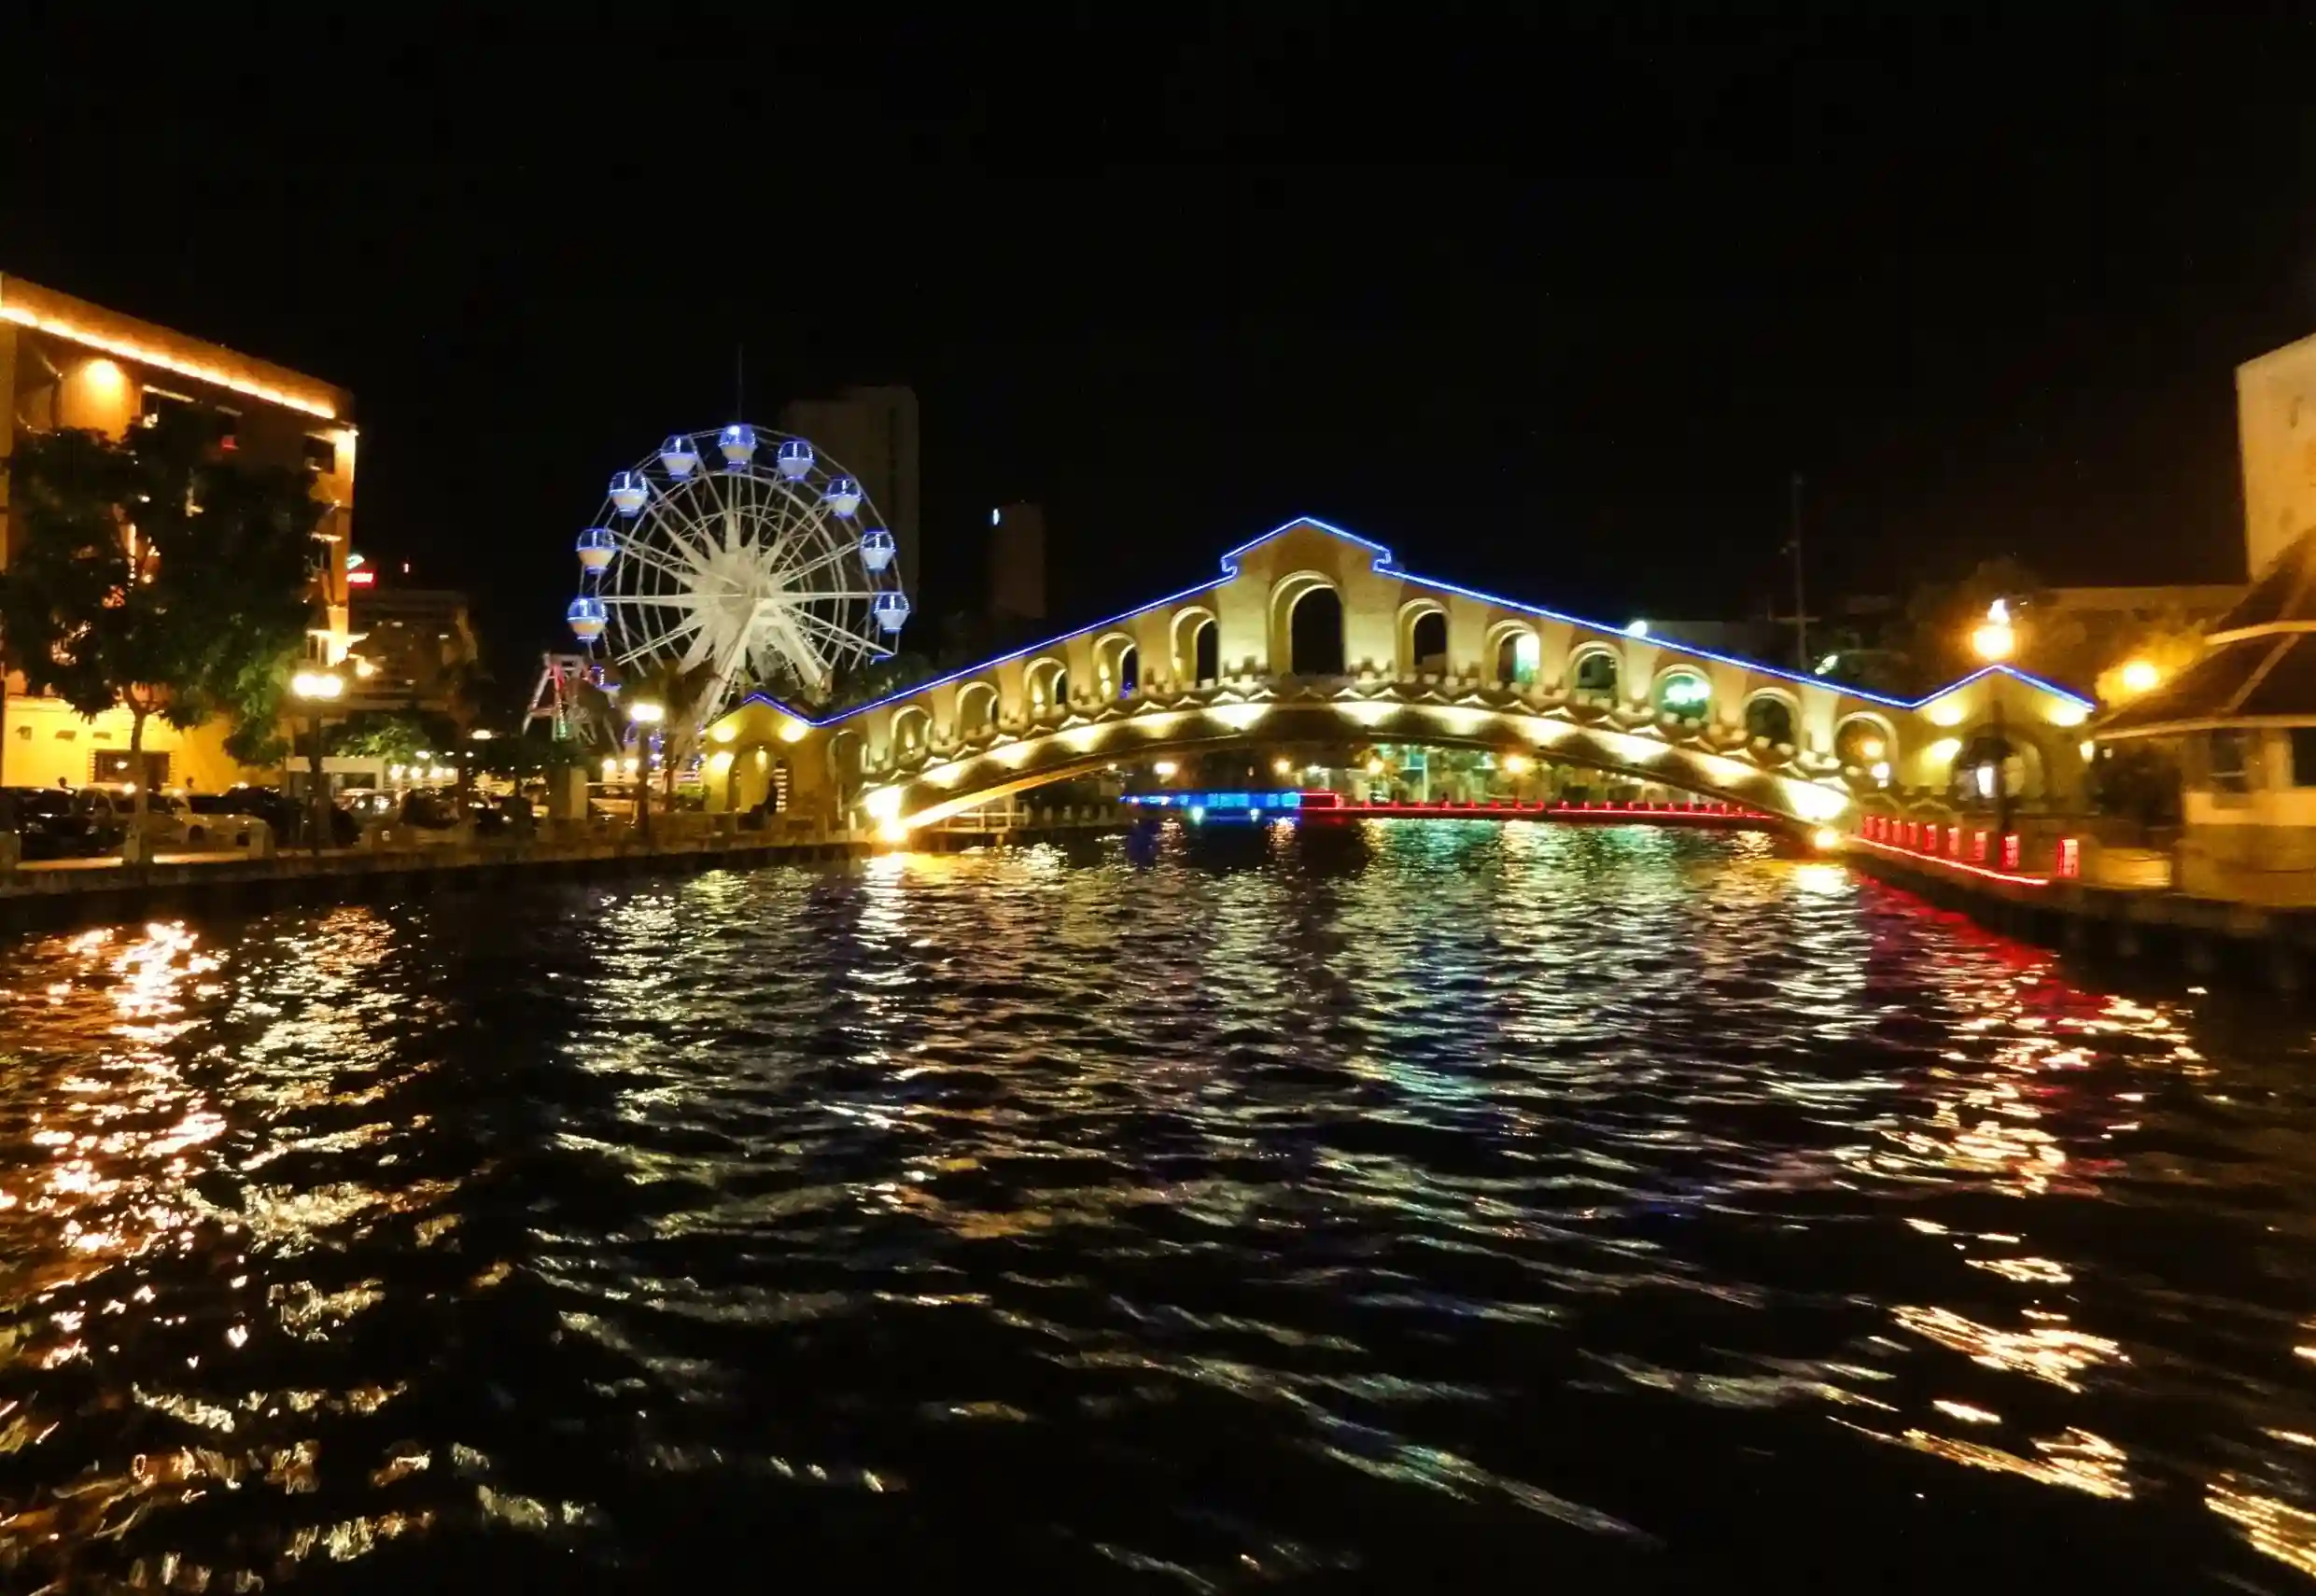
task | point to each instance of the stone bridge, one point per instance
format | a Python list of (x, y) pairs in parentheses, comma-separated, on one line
[(1313, 636)]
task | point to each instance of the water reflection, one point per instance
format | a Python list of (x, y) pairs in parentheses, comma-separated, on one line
[(1390, 1204)]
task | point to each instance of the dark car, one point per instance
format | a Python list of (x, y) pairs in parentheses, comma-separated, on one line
[(50, 825), (430, 808)]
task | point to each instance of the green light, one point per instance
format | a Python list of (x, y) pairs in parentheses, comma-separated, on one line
[(1684, 692)]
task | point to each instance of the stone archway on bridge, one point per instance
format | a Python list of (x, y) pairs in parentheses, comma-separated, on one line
[(1307, 627)]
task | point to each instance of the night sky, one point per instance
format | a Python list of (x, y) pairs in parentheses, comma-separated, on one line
[(1554, 309)]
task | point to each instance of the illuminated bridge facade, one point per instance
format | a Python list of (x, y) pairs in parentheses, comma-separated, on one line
[(1312, 636)]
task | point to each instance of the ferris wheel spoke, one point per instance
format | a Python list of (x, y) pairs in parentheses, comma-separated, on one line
[(828, 630), (797, 570)]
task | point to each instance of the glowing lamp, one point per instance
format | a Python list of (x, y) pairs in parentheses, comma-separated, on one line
[(317, 686), (1516, 764), (890, 609), (1995, 637), (645, 712), (796, 460), (1164, 770), (2139, 676), (843, 497), (1825, 839), (876, 549), (677, 456), (597, 545), (1637, 628), (1283, 767), (737, 443), (630, 490), (587, 616)]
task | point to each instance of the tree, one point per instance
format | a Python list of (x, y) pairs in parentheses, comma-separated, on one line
[(682, 695), (155, 575)]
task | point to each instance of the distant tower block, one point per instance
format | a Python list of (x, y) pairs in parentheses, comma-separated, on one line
[(2276, 430), (1017, 562), (872, 430)]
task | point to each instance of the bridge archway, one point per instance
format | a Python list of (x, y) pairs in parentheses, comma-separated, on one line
[(1422, 638), (1117, 665), (1595, 671), (1197, 646), (1771, 717), (1044, 686), (1306, 626), (976, 711), (1517, 654)]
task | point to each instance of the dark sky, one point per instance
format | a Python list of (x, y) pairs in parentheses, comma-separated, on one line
[(1553, 307)]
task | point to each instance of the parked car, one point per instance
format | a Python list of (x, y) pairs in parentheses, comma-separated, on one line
[(290, 820), (168, 821), (49, 825)]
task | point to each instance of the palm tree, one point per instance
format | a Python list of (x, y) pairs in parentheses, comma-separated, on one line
[(683, 693)]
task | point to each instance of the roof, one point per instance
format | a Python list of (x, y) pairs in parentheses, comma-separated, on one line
[(2259, 663)]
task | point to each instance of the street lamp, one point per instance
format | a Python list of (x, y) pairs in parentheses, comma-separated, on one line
[(646, 713), (2140, 676), (317, 689), (1994, 640)]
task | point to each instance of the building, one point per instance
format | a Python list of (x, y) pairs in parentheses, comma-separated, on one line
[(2238, 721), (872, 432), (2276, 429), (65, 362), (412, 648), (1016, 565)]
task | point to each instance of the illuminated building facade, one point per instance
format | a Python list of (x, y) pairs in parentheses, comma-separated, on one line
[(413, 647), (67, 363)]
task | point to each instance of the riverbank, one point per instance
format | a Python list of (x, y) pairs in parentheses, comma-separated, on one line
[(64, 893), (2149, 926)]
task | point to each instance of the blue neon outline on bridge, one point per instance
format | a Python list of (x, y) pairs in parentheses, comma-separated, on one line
[(1387, 563)]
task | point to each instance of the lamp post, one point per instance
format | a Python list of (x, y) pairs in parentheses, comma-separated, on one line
[(646, 714), (1994, 640), (316, 690)]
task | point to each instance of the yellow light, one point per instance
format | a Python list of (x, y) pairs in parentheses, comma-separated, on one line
[(883, 805), (1880, 771), (1943, 750), (1873, 748), (892, 831), (1283, 767), (646, 713), (628, 764), (2069, 714), (1238, 717), (722, 732), (1164, 770), (610, 768), (1825, 839), (2140, 674), (1516, 764), (2086, 749), (1375, 767), (1945, 712), (1994, 637), (793, 731), (720, 762), (144, 357), (317, 686)]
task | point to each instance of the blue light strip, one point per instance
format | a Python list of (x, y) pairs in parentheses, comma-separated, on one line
[(1386, 564), (1214, 799)]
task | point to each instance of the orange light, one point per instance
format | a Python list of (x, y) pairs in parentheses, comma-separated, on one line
[(144, 357), (2141, 675)]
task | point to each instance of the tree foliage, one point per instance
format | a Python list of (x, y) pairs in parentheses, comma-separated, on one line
[(156, 575)]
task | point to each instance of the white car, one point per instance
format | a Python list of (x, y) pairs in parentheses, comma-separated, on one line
[(168, 821)]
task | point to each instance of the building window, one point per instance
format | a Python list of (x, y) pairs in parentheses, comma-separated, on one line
[(2303, 756), (2231, 765), (321, 455)]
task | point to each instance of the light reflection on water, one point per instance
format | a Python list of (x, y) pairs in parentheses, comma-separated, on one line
[(1394, 1207)]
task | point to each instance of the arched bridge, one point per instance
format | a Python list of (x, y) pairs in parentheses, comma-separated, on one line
[(1313, 636)]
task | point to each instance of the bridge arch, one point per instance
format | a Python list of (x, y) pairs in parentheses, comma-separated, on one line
[(1307, 641), (976, 711), (1423, 635), (1197, 640), (1681, 692), (1597, 671), (1863, 738), (1515, 654), (1045, 687), (1773, 717), (1118, 664)]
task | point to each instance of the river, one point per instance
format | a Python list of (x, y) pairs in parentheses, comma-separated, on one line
[(1430, 1206)]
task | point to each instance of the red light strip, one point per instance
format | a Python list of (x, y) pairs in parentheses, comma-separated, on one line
[(1950, 863)]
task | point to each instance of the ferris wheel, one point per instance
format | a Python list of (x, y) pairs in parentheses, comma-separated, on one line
[(742, 551)]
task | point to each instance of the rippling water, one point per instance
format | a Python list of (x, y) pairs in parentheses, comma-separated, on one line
[(1433, 1208)]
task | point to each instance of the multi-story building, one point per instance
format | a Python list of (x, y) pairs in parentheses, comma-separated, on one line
[(65, 362), (1016, 565), (873, 433), (413, 648)]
